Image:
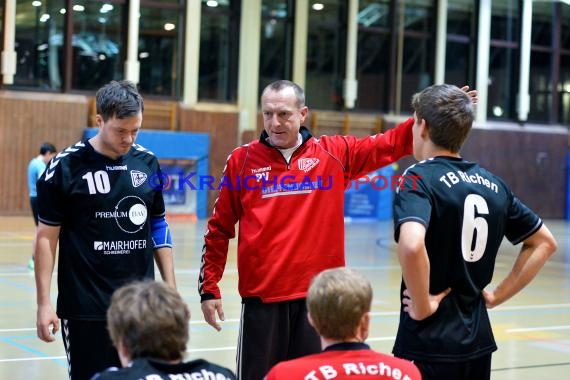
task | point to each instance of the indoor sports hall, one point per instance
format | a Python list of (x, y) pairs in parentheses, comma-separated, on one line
[(200, 66), (532, 330)]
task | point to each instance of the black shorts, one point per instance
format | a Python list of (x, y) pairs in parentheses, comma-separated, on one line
[(476, 369), (88, 347), (270, 333)]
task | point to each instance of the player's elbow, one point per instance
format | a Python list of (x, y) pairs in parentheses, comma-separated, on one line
[(550, 245), (547, 242), (409, 248)]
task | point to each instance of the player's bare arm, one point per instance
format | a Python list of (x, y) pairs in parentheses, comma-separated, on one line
[(536, 250), (165, 263), (47, 322)]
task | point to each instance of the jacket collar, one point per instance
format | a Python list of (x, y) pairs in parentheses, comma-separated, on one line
[(304, 131)]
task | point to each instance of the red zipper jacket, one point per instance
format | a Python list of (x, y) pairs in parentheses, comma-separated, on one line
[(291, 216)]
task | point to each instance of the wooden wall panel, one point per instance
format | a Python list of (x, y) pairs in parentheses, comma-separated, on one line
[(26, 120), (222, 125), (531, 161)]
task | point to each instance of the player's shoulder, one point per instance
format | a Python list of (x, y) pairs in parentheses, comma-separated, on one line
[(62, 158), (201, 365), (142, 152), (110, 374)]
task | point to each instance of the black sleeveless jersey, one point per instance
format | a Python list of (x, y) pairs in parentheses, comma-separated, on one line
[(156, 370), (466, 211), (103, 207)]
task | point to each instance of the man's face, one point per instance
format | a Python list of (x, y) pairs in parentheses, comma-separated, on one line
[(118, 135), (282, 118), (48, 156)]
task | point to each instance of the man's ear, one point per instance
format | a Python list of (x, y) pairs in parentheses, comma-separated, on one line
[(364, 326), (304, 113), (310, 320), (424, 129), (99, 120)]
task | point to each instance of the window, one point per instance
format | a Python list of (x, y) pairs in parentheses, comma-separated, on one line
[(97, 43), (161, 33), (39, 44), (564, 83), (276, 41), (503, 60), (326, 54), (373, 56), (460, 48), (541, 87), (418, 51), (219, 51)]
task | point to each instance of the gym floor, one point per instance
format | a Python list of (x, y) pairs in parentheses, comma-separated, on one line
[(532, 330)]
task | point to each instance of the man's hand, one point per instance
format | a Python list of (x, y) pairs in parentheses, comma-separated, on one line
[(490, 301), (209, 309), (434, 301), (472, 94), (47, 318)]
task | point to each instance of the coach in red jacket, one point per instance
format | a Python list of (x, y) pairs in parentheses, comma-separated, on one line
[(287, 193)]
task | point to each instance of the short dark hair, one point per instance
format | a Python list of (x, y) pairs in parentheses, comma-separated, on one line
[(448, 112), (119, 99), (46, 148), (282, 84)]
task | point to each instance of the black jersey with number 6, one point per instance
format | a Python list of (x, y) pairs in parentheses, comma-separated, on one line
[(466, 211), (103, 207)]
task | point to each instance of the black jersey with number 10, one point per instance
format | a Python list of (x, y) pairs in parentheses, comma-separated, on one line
[(467, 211), (103, 207)]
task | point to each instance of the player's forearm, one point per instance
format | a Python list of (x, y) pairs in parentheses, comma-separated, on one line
[(529, 262), (165, 263), (43, 267), (415, 271)]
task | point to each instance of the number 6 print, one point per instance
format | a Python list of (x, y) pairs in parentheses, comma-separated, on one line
[(475, 229)]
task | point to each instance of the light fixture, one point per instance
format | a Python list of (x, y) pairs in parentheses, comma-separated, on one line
[(318, 6), (497, 111), (106, 8)]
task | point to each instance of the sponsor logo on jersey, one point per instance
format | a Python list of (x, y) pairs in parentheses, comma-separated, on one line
[(116, 167), (110, 214), (135, 211), (306, 164), (137, 178), (118, 247), (261, 170)]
